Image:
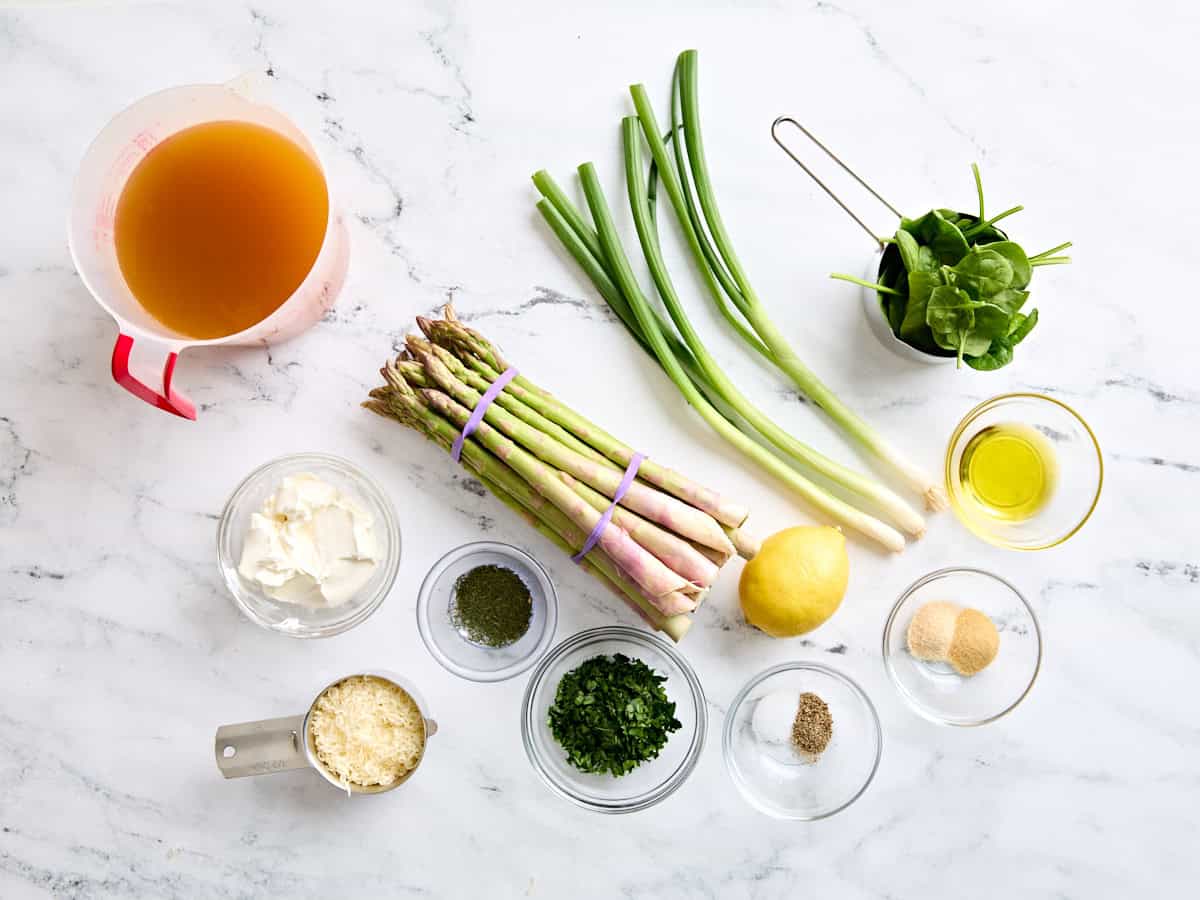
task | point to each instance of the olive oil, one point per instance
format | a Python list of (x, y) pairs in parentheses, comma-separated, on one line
[(218, 225), (1009, 471)]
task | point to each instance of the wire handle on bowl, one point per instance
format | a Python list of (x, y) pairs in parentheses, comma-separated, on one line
[(788, 120)]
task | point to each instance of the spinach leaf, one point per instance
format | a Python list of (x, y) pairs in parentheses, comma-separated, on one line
[(916, 257), (1017, 259), (914, 326), (939, 234), (947, 242), (975, 344), (950, 315), (990, 322), (998, 355), (893, 275), (984, 271), (1021, 327), (893, 310), (1009, 299), (963, 324), (914, 226)]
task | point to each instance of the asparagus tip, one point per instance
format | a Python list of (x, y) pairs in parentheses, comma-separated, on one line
[(414, 344)]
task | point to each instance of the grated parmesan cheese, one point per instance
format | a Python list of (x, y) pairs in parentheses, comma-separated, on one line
[(367, 731)]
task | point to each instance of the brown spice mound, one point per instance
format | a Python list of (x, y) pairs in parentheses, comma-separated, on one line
[(931, 631), (975, 642), (813, 725)]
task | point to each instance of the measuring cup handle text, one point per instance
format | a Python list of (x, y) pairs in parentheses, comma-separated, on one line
[(168, 398), (261, 748)]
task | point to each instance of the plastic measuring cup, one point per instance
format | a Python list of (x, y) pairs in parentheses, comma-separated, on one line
[(146, 350)]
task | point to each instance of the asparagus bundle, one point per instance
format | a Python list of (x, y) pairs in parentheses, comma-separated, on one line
[(667, 538)]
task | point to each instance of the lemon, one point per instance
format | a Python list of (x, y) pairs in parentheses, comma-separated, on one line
[(796, 581)]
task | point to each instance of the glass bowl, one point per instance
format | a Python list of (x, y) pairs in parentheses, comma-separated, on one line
[(293, 619), (1079, 472), (935, 690), (777, 780), (650, 782), (451, 647)]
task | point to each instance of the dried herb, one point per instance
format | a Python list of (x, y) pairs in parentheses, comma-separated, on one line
[(813, 726), (492, 606), (611, 714)]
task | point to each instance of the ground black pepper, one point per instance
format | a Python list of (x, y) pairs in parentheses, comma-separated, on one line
[(813, 726), (492, 605)]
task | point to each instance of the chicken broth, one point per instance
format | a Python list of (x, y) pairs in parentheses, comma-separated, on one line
[(219, 225)]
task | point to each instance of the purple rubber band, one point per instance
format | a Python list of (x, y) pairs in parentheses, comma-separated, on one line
[(631, 471), (481, 407)]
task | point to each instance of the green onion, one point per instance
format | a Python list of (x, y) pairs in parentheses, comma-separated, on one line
[(895, 508), (702, 213), (651, 332)]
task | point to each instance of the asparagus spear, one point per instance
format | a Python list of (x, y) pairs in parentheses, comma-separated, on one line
[(746, 543), (478, 353), (598, 563), (678, 553), (515, 493), (670, 591), (509, 402), (656, 506)]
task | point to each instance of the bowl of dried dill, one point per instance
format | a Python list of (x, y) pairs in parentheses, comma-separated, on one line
[(487, 611)]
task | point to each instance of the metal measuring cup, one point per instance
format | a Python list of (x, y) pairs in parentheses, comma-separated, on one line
[(279, 745)]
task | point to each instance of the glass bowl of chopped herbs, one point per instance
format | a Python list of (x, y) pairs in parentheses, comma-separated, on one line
[(614, 719), (487, 611)]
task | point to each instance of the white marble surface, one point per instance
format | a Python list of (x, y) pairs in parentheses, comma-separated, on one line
[(120, 652)]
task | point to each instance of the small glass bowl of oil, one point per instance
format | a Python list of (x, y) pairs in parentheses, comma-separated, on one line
[(1023, 471)]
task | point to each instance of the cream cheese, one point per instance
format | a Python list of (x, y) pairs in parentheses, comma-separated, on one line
[(310, 544)]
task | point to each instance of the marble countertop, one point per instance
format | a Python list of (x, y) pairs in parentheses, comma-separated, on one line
[(120, 652)]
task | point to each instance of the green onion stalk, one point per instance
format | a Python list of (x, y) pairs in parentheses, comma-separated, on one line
[(623, 277), (699, 209), (893, 506), (678, 349), (844, 495)]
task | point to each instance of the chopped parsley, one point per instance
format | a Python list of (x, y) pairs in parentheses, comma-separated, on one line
[(611, 714)]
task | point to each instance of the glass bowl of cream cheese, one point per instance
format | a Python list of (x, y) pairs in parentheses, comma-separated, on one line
[(308, 545)]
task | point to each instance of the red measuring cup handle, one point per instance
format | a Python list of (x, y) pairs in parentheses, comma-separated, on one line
[(168, 399)]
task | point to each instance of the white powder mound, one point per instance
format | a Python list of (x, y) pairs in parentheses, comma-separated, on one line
[(773, 717), (367, 731)]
